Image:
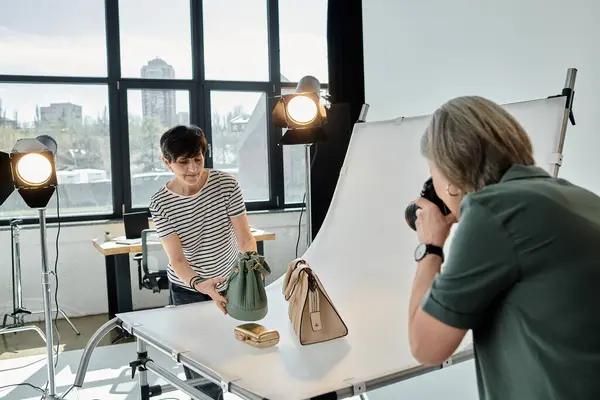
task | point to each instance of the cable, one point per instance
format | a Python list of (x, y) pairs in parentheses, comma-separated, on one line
[(304, 199), (12, 259), (56, 277), (23, 384), (24, 366), (300, 224)]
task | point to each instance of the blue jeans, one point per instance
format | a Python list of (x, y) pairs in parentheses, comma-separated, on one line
[(178, 296)]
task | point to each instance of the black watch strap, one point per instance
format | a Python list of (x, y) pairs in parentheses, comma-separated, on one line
[(433, 249), (424, 249)]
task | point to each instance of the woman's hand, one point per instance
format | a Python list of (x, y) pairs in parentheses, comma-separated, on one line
[(432, 226), (209, 287)]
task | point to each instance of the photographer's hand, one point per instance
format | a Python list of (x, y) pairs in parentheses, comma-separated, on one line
[(432, 226)]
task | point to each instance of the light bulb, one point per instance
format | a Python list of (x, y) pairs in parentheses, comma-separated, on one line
[(34, 168), (302, 109)]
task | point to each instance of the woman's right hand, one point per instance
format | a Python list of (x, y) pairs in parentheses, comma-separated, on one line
[(209, 287)]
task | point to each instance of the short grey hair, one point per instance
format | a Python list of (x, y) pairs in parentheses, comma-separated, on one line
[(474, 141)]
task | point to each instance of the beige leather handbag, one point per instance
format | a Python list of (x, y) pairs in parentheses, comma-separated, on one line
[(311, 311)]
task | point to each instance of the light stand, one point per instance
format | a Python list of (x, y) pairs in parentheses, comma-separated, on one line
[(46, 295), (308, 194), (304, 115), (19, 310), (31, 170)]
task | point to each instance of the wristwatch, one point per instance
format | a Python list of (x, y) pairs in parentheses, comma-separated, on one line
[(423, 249)]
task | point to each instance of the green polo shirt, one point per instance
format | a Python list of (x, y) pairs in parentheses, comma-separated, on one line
[(523, 272)]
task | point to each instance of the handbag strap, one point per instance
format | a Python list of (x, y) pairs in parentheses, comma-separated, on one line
[(252, 261), (263, 269), (298, 268)]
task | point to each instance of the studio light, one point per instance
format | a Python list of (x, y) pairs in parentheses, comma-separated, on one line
[(303, 115), (30, 168)]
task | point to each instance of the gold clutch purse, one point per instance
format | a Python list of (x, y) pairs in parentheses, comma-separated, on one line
[(256, 335)]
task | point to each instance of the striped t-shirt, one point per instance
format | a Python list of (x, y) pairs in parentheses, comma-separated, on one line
[(202, 223)]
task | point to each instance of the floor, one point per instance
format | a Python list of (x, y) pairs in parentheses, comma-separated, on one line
[(29, 342), (22, 359), (108, 376)]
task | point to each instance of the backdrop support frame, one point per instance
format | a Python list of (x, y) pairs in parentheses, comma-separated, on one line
[(569, 92)]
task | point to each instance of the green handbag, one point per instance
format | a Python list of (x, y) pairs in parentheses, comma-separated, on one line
[(246, 294)]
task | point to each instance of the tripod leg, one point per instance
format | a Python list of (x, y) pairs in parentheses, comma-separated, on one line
[(22, 329), (69, 321)]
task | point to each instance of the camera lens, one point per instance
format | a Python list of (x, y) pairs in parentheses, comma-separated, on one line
[(410, 214)]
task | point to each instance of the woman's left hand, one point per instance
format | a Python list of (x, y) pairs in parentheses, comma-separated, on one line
[(432, 226)]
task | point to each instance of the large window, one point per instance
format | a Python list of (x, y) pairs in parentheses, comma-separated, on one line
[(303, 39), (76, 116), (156, 41), (150, 112), (240, 141), (106, 78), (57, 37), (236, 40)]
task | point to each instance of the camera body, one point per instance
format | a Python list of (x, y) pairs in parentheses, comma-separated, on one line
[(428, 192)]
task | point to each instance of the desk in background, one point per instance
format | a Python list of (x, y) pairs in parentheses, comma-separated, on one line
[(118, 271)]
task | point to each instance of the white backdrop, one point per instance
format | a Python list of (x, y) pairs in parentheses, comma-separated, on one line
[(418, 54), (364, 257)]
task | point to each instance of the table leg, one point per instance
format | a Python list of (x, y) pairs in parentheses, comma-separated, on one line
[(118, 285), (260, 247)]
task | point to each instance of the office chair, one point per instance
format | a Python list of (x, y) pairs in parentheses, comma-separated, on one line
[(152, 263)]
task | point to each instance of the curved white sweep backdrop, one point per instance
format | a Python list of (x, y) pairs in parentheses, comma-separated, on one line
[(364, 257)]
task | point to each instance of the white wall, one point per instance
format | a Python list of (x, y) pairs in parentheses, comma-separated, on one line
[(418, 54), (81, 271)]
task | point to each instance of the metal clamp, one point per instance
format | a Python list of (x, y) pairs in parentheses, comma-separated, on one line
[(399, 120), (447, 363), (225, 386), (129, 328), (359, 388), (555, 158), (140, 363), (175, 354)]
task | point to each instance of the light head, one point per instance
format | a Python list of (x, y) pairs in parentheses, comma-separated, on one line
[(301, 112), (30, 168)]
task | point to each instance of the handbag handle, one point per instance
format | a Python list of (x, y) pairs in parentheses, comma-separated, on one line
[(265, 270), (259, 263), (294, 277)]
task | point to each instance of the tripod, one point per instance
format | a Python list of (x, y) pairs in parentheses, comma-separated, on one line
[(19, 311)]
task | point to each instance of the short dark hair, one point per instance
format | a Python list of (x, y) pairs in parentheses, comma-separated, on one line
[(183, 141)]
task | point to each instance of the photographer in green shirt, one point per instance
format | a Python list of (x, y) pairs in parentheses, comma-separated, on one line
[(523, 269)]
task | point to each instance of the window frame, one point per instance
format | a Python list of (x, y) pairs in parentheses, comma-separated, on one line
[(200, 108), (64, 80), (256, 87), (141, 84)]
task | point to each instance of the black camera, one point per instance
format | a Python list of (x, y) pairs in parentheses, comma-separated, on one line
[(428, 192)]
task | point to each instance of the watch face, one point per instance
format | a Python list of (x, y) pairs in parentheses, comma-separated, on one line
[(420, 251)]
